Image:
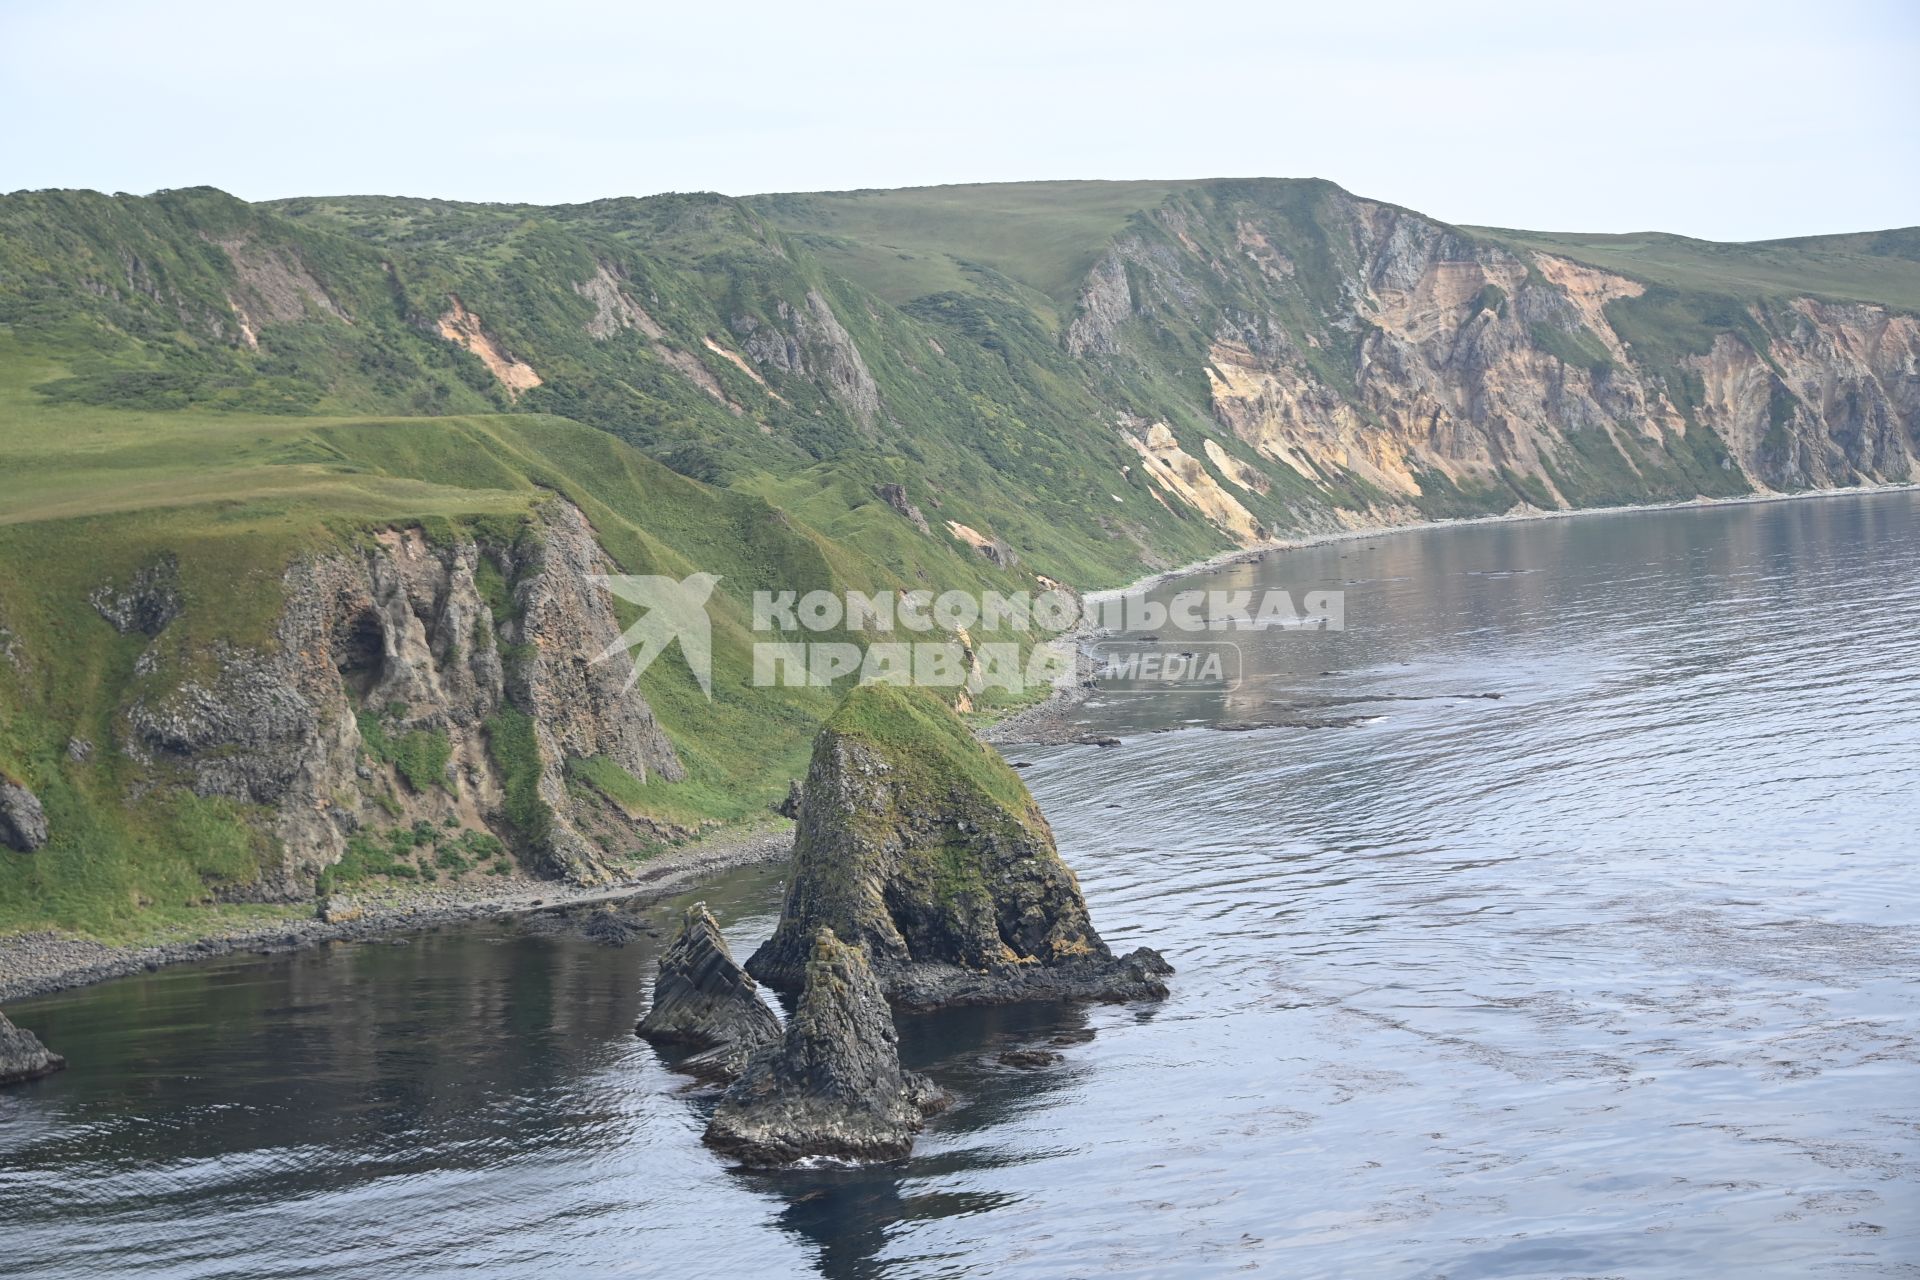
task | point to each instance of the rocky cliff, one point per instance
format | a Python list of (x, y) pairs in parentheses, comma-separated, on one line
[(395, 692), (1403, 367)]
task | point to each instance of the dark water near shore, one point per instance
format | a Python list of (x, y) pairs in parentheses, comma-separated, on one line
[(1612, 975)]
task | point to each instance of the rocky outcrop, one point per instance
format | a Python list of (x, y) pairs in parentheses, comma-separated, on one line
[(147, 604), (23, 823), (895, 496), (402, 632), (809, 341), (1106, 302), (996, 550), (580, 708), (613, 308), (338, 908), (921, 845), (704, 1001), (1832, 398), (22, 1056), (1182, 475), (272, 286), (833, 1086)]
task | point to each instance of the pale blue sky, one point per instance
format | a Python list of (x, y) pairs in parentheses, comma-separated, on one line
[(1724, 120)]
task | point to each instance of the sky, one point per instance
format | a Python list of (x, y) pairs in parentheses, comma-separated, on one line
[(1720, 120)]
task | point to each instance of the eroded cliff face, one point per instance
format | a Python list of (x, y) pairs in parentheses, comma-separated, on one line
[(810, 341), (1389, 365), (399, 640), (1831, 398)]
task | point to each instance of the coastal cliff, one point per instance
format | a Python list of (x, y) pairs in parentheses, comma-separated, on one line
[(395, 693), (303, 489)]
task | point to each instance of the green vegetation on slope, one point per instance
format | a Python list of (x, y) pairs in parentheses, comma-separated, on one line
[(723, 386), (251, 495), (1878, 267), (934, 757)]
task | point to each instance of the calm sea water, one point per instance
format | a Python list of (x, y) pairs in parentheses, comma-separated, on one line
[(1612, 975)]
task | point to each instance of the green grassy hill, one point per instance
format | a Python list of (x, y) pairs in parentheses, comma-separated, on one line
[(1093, 379), (93, 494)]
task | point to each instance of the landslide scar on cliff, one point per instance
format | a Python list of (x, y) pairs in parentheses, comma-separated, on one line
[(462, 328)]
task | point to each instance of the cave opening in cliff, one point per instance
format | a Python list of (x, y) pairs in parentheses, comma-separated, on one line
[(359, 648)]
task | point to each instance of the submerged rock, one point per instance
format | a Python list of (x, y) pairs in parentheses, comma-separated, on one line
[(23, 823), (1029, 1059), (611, 927), (704, 1001), (833, 1085), (22, 1056), (919, 844)]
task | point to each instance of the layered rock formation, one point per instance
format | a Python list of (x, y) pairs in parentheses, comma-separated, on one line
[(1403, 367), (704, 1001), (919, 844), (833, 1086), (22, 1056), (401, 631)]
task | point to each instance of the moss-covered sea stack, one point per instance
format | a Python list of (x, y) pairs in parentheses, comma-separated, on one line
[(921, 845)]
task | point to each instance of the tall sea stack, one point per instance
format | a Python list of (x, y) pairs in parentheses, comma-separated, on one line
[(833, 1086), (919, 844)]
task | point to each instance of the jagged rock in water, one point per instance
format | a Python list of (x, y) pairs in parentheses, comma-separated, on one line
[(921, 845), (833, 1085), (611, 927), (704, 1001), (23, 823), (22, 1056), (790, 807)]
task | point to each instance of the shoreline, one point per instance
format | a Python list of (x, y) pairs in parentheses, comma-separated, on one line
[(1040, 723), (43, 963), (1261, 550)]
